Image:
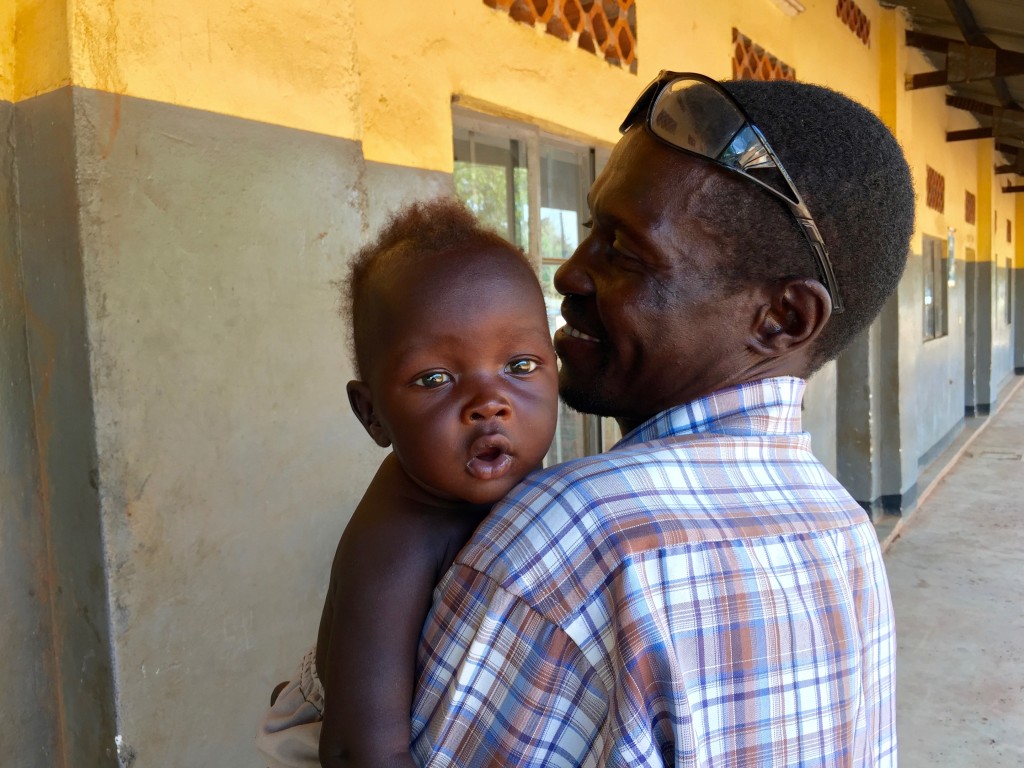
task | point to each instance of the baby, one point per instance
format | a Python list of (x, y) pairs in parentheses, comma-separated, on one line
[(458, 377)]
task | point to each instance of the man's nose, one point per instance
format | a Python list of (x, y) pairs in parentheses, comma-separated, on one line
[(572, 277)]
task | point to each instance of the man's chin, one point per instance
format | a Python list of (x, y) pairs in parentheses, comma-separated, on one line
[(584, 398)]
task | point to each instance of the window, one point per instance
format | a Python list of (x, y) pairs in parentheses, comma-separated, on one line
[(935, 189), (936, 288), (970, 208), (532, 187), (752, 62), (854, 18), (607, 29)]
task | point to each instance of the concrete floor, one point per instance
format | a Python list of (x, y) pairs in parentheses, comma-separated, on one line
[(956, 570)]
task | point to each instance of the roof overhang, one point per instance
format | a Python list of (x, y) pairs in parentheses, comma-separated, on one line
[(977, 48)]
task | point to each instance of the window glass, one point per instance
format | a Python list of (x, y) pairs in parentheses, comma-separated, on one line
[(532, 188), (929, 294), (936, 287), (491, 177)]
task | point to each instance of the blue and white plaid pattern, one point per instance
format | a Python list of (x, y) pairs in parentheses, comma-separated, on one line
[(703, 594)]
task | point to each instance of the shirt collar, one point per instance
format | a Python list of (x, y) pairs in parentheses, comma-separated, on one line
[(763, 407)]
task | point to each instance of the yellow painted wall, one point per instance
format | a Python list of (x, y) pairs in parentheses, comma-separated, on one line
[(289, 62), (1018, 241), (1004, 209), (384, 72), (986, 193), (921, 127), (35, 56), (7, 15), (414, 57)]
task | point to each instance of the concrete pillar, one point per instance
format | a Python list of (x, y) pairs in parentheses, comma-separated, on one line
[(856, 450), (68, 555), (983, 278), (29, 731), (970, 333), (1017, 291)]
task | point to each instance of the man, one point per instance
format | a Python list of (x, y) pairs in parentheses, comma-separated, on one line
[(704, 593)]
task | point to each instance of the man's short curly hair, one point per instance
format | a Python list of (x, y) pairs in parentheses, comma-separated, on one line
[(421, 229), (853, 177)]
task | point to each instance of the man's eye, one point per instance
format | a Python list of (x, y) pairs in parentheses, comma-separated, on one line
[(621, 255), (521, 367), (432, 380)]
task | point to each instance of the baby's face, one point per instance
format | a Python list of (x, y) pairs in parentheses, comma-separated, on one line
[(463, 375)]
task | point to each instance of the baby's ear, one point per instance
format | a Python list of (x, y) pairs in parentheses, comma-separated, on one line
[(361, 399)]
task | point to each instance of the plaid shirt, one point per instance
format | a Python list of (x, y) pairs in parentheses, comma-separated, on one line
[(703, 594)]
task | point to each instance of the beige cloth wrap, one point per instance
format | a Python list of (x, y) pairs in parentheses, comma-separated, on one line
[(289, 733)]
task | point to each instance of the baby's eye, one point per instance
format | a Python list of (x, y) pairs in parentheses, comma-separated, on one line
[(588, 224), (521, 367), (433, 380)]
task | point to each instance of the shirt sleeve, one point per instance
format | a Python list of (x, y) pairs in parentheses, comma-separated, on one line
[(500, 685)]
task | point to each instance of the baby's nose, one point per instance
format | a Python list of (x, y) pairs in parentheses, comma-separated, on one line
[(488, 408)]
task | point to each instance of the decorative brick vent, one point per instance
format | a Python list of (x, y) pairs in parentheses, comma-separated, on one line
[(604, 27), (970, 209), (936, 190), (752, 62), (854, 18)]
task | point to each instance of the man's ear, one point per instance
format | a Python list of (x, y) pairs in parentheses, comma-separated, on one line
[(796, 313), (361, 399)]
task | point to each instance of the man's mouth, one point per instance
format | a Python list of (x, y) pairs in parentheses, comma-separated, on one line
[(575, 333), (490, 457)]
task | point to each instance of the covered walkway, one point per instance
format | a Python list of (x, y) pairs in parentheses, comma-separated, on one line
[(956, 568)]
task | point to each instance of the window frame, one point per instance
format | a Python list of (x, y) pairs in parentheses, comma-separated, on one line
[(598, 433)]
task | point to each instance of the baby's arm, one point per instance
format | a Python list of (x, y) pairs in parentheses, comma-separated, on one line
[(388, 561)]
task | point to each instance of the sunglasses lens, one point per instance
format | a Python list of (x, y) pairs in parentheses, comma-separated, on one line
[(695, 117)]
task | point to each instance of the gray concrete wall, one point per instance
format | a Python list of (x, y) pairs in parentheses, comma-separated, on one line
[(228, 459), (29, 732), (71, 572)]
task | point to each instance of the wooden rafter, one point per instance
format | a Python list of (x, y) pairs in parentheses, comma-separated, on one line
[(982, 107), (1017, 166), (976, 58), (964, 63), (970, 29)]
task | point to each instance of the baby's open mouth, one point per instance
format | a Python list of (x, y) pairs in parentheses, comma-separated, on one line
[(490, 457), (489, 454)]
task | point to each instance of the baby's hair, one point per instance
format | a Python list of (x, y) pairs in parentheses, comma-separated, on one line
[(443, 225)]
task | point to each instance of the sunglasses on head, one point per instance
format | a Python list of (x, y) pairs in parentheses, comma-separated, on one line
[(695, 114)]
